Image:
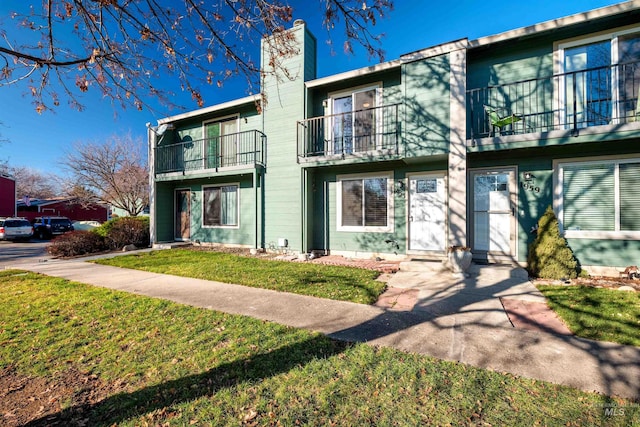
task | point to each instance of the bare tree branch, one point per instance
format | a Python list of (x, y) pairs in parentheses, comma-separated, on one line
[(122, 48), (33, 183), (115, 171)]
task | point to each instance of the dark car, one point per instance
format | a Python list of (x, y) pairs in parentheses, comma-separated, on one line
[(48, 226), (15, 229)]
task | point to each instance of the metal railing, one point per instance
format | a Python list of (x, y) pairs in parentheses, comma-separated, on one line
[(575, 100), (237, 149), (368, 131)]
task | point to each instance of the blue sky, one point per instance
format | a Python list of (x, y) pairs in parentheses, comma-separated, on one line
[(39, 141)]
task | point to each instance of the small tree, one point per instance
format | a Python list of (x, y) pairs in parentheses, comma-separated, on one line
[(550, 256), (115, 171)]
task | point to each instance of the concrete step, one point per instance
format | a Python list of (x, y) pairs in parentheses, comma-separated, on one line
[(169, 245), (421, 265)]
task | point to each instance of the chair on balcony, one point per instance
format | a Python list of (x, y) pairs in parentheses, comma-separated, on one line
[(498, 121)]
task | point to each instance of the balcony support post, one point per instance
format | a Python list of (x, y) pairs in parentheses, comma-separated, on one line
[(457, 185)]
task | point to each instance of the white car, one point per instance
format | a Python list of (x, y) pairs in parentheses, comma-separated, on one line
[(15, 229), (85, 225)]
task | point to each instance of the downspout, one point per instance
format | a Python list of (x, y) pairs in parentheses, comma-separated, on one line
[(255, 199), (303, 194), (325, 201)]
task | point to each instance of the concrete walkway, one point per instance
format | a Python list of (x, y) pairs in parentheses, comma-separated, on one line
[(453, 319)]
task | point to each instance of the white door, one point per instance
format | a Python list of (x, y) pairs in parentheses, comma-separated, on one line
[(427, 223), (493, 212)]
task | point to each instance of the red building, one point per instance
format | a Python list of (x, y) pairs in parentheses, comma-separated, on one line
[(62, 207), (7, 196)]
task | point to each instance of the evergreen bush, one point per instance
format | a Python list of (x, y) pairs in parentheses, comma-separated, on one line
[(550, 256)]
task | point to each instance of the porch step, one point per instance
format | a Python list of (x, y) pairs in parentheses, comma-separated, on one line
[(169, 245), (421, 265)]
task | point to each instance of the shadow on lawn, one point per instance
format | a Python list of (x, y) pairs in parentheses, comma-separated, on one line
[(122, 406)]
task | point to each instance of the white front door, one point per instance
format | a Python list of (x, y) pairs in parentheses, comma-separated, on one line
[(427, 213), (493, 212)]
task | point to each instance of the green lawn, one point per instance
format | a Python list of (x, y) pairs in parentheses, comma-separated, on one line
[(597, 313), (167, 364), (338, 283)]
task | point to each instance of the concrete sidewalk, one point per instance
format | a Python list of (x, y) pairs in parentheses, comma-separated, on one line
[(453, 320)]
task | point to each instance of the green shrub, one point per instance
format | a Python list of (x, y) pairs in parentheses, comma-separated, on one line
[(76, 243), (123, 231), (103, 230), (550, 257)]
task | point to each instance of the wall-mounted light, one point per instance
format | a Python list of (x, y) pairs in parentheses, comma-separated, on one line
[(193, 194), (160, 130), (325, 103), (528, 176), (400, 187)]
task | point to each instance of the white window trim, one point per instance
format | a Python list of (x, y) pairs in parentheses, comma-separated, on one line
[(226, 184), (559, 60), (377, 86), (388, 175), (235, 116), (558, 200)]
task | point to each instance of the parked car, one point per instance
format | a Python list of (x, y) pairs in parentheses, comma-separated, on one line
[(15, 229), (48, 226), (85, 225)]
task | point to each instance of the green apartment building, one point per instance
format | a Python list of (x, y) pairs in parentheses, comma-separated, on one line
[(460, 144)]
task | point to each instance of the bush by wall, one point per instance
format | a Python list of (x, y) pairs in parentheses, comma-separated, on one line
[(123, 231), (550, 256), (76, 243)]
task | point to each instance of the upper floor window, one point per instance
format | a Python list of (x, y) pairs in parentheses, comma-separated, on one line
[(221, 145), (601, 79), (354, 119)]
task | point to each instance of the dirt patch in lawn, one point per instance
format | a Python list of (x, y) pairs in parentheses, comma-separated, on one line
[(39, 401)]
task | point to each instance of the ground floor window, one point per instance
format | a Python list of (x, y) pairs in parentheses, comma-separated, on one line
[(364, 203), (599, 196), (220, 206)]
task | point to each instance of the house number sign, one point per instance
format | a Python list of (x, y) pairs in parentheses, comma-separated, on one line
[(530, 187)]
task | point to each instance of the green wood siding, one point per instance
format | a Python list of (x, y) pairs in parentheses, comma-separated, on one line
[(324, 213), (164, 212), (426, 107), (536, 195), (283, 177), (244, 234), (615, 253)]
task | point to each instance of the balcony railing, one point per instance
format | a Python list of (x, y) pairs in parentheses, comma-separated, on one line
[(369, 131), (571, 101), (238, 149)]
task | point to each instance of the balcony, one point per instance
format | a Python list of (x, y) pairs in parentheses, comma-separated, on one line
[(372, 132), (237, 150), (570, 101)]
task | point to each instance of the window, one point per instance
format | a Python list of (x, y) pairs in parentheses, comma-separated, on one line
[(354, 120), (365, 203), (221, 146), (601, 79), (220, 206), (598, 199)]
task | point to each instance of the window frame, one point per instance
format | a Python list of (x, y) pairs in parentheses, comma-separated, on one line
[(203, 205), (560, 48), (332, 96), (227, 118), (558, 198), (388, 175)]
